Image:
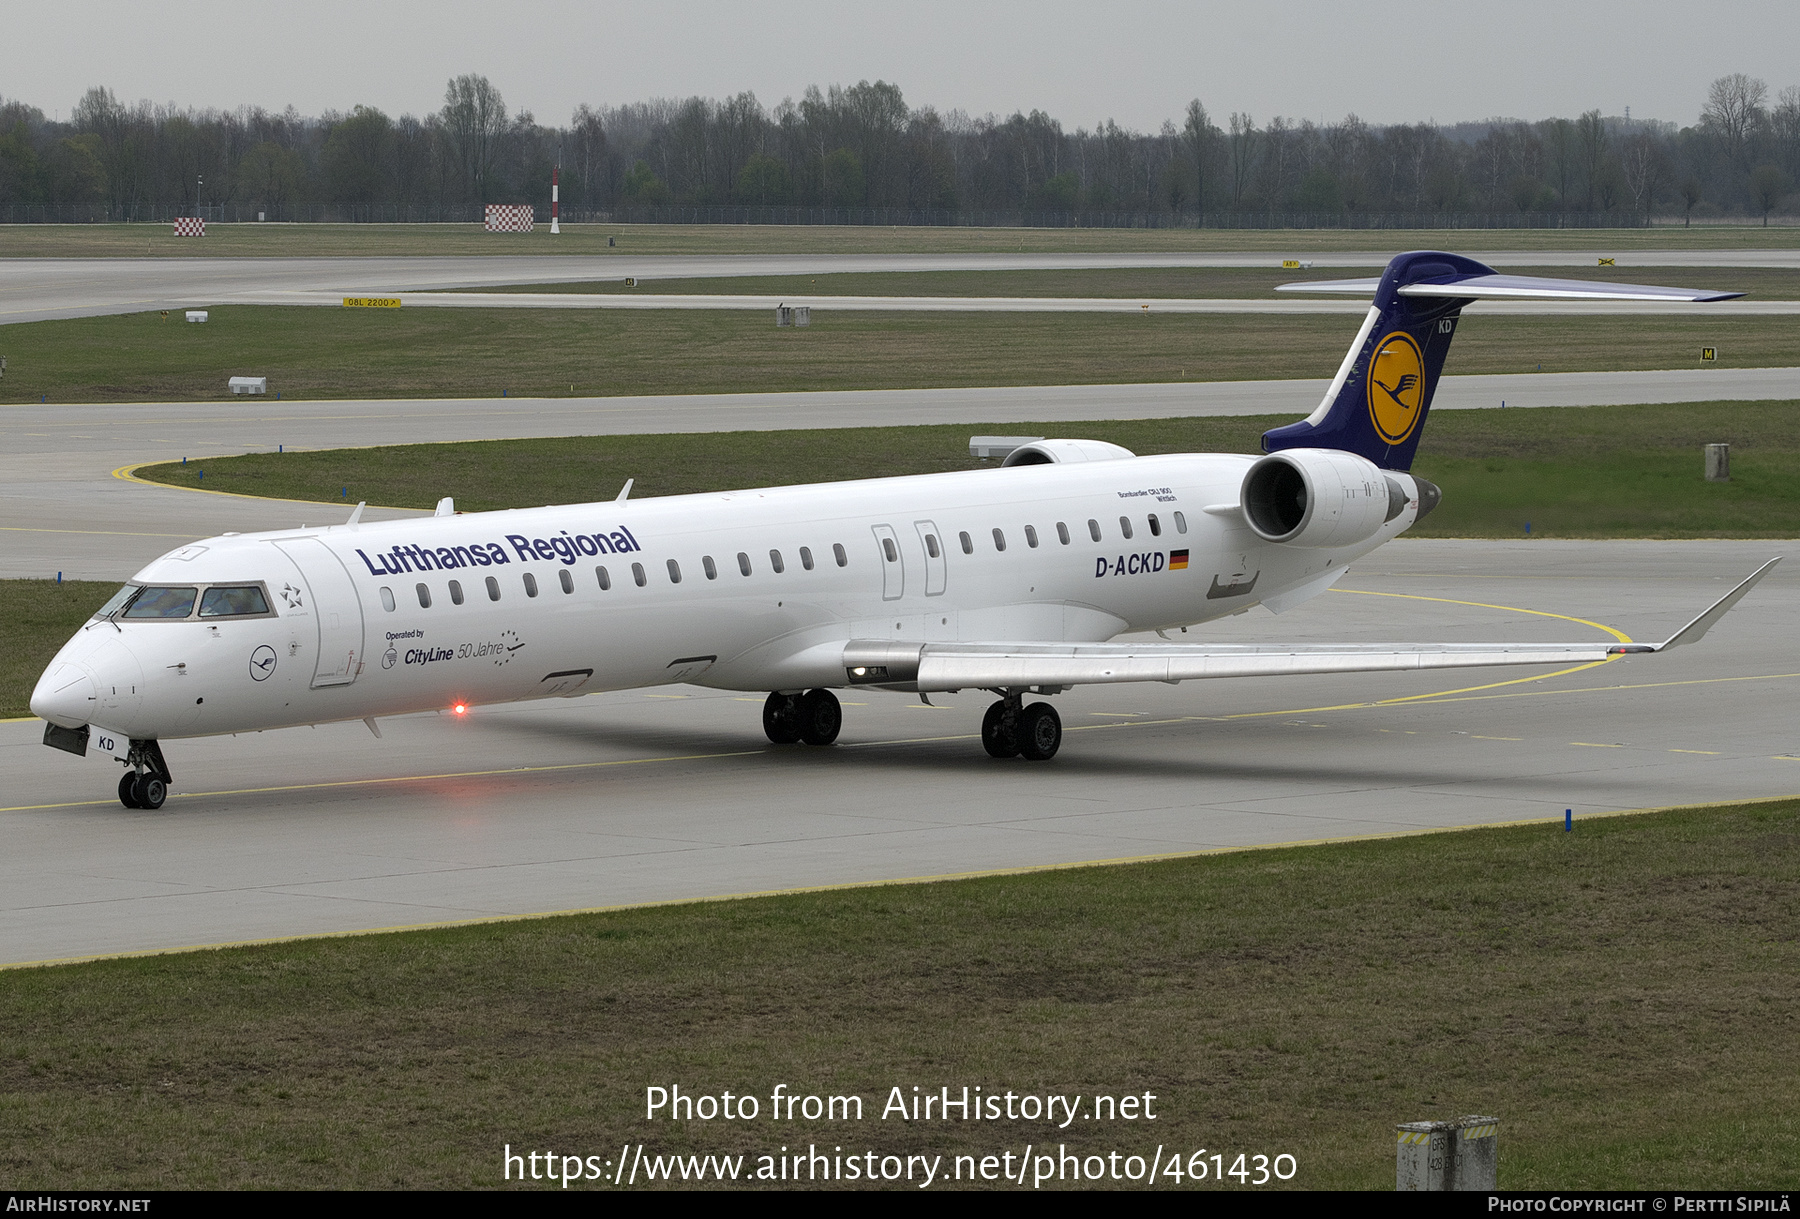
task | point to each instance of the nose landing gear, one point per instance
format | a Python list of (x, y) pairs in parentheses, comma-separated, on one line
[(1012, 730), (146, 783), (814, 717)]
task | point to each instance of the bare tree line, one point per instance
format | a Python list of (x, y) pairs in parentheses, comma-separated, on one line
[(863, 147)]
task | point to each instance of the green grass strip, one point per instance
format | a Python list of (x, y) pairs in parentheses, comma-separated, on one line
[(1621, 997)]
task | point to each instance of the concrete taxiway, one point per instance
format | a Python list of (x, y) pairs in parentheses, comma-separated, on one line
[(37, 289), (673, 794), (61, 509)]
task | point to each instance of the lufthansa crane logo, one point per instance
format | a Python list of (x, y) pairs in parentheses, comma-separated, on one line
[(262, 663), (1396, 386)]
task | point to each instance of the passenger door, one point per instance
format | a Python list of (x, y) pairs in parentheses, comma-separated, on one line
[(335, 609), (893, 564)]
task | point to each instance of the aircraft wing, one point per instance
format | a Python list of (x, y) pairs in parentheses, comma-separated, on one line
[(957, 666), (1515, 287)]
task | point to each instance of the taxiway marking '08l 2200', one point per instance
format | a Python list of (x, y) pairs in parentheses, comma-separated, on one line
[(1010, 580)]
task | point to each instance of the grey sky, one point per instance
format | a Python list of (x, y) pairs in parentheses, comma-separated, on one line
[(1081, 63)]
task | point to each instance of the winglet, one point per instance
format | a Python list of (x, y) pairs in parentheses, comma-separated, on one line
[(1696, 630)]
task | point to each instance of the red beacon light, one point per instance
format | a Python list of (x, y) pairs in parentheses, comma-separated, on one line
[(459, 709)]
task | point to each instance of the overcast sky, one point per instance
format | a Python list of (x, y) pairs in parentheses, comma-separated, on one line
[(1137, 64)]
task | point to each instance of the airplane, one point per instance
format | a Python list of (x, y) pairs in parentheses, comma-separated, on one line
[(1011, 579)]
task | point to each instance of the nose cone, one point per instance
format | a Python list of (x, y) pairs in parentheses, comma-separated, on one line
[(65, 695)]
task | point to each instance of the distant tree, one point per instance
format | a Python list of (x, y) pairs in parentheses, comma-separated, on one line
[(1645, 165), (358, 158), (474, 119), (843, 176), (1243, 153), (643, 186), (1198, 134), (1768, 187), (1590, 132), (763, 181), (271, 175), (1690, 195), (19, 177), (1733, 110), (73, 172), (1320, 192)]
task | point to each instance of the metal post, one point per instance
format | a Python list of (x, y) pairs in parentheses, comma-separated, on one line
[(1718, 463)]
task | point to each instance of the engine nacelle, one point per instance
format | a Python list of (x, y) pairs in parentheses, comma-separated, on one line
[(1319, 498), (1063, 452)]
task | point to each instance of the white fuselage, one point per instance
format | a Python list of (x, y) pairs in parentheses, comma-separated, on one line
[(364, 620)]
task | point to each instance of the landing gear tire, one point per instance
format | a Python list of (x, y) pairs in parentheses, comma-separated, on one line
[(1000, 729), (821, 718), (1040, 732), (149, 791), (128, 789), (781, 718)]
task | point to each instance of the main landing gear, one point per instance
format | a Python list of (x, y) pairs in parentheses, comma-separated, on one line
[(1012, 730), (145, 783), (814, 717)]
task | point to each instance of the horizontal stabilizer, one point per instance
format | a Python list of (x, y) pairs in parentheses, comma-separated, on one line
[(1516, 287)]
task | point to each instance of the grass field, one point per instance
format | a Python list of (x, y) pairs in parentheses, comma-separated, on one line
[(339, 240), (1623, 998), (1131, 283), (1616, 471), (40, 616), (321, 353)]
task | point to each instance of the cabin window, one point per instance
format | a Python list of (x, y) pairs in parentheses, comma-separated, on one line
[(888, 549), (999, 540), (806, 558), (674, 572), (424, 595), (233, 602), (968, 543), (162, 603), (387, 599), (775, 562), (1125, 527), (493, 587), (605, 578), (709, 567), (456, 592), (1180, 523), (1155, 526), (563, 577), (837, 551), (637, 574), (1062, 533), (743, 562), (1031, 536), (931, 545), (1094, 529), (530, 585)]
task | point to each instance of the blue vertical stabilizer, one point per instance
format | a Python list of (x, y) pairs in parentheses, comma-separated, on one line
[(1378, 401)]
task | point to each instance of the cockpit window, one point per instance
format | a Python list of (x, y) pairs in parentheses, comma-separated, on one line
[(162, 603), (117, 600), (224, 601)]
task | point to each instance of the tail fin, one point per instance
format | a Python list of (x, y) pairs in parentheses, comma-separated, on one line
[(1378, 401)]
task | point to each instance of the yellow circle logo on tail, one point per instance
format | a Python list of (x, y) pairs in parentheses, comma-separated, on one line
[(1396, 386)]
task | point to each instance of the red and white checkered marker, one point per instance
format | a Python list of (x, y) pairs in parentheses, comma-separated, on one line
[(190, 226), (509, 217)]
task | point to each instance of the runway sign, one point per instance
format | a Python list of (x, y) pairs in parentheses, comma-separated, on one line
[(371, 302), (1709, 354)]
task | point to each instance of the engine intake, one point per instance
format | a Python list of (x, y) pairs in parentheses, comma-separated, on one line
[(1319, 498)]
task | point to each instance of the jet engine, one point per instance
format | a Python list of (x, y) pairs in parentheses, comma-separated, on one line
[(1319, 498)]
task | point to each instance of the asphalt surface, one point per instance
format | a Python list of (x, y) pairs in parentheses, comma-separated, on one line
[(61, 508), (36, 289), (673, 793)]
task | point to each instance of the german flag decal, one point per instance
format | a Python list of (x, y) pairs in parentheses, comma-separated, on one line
[(1178, 560)]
